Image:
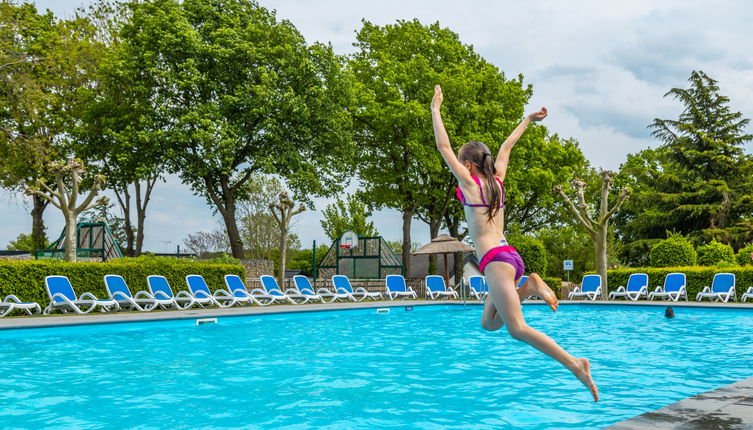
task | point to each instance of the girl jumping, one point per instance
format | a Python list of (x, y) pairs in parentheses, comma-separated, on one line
[(482, 193)]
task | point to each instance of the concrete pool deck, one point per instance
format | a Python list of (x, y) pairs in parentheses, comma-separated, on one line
[(729, 407), (59, 320)]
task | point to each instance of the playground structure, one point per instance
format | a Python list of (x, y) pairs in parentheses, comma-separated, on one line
[(365, 258), (94, 241)]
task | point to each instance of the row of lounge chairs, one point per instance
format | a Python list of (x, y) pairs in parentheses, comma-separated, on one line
[(674, 288), (160, 294)]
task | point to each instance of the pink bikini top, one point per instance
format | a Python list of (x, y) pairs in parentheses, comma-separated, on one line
[(461, 197)]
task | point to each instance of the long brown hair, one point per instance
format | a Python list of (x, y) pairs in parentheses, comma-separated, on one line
[(478, 154)]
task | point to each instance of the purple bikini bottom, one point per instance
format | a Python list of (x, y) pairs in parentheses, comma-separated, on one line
[(506, 254)]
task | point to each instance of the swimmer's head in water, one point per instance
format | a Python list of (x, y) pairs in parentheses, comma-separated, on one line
[(669, 312), (477, 154)]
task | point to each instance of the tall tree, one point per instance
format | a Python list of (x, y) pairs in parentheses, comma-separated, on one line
[(123, 133), (259, 230), (698, 181), (44, 65), (396, 67), (344, 215), (284, 210), (68, 178), (597, 226), (242, 93)]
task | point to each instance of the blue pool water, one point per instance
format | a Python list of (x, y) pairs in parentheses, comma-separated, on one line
[(432, 367)]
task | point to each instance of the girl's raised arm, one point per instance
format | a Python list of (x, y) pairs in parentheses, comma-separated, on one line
[(504, 151), (443, 141)]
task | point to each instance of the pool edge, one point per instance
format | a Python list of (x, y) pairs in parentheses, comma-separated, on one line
[(728, 407), (39, 321)]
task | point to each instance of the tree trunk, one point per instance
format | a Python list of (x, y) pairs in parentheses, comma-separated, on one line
[(38, 236), (125, 207), (434, 225), (70, 236), (600, 249), (141, 205), (407, 218), (236, 244), (283, 256)]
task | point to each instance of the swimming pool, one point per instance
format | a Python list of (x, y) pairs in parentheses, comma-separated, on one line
[(427, 368)]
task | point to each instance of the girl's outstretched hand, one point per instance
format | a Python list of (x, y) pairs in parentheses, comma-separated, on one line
[(436, 102), (538, 116)]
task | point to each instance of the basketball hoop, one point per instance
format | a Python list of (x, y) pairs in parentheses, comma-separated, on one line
[(349, 240)]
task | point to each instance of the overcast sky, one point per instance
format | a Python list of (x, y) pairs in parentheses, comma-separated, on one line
[(600, 67)]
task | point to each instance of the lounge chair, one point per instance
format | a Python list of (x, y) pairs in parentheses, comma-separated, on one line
[(395, 287), (637, 287), (590, 288), (269, 283), (344, 290), (478, 287), (64, 298), (160, 289), (747, 294), (435, 288), (522, 281), (302, 286), (11, 303), (118, 290), (199, 290), (722, 288), (235, 285), (674, 288)]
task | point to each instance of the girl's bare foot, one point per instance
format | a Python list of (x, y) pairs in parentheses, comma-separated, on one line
[(547, 294), (583, 372)]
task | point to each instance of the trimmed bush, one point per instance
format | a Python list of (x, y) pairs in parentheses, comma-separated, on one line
[(675, 250), (696, 277), (715, 253), (743, 256), (25, 279), (533, 253)]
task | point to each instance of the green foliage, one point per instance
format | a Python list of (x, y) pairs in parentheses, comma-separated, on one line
[(567, 243), (533, 253), (26, 278), (698, 181), (396, 67), (676, 250), (715, 253), (350, 214), (25, 242), (744, 256), (243, 93), (697, 277)]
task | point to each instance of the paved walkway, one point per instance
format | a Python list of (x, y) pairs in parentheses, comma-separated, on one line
[(729, 407)]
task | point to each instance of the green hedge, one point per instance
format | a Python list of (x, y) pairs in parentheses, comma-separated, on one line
[(696, 277), (25, 279), (714, 253), (743, 256), (675, 250)]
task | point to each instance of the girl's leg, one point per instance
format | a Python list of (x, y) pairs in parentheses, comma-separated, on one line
[(505, 299), (534, 286)]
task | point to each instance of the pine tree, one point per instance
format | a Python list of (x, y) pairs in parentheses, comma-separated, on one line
[(698, 181)]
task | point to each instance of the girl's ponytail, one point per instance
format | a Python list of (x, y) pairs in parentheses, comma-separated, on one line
[(495, 194)]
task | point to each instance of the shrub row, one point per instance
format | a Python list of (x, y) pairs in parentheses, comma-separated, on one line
[(696, 277), (25, 279)]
